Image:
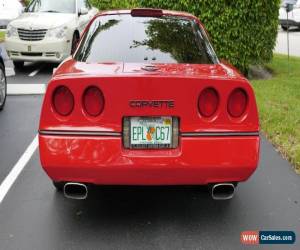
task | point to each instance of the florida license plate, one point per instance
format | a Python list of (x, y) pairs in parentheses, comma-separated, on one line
[(154, 132)]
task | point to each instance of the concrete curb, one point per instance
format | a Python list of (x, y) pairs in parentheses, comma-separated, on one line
[(26, 89)]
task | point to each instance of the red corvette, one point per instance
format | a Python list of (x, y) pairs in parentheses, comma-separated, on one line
[(145, 101)]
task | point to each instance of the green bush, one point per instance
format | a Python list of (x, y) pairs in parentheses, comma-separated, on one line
[(242, 31)]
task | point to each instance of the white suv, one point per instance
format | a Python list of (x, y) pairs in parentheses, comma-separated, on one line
[(48, 30)]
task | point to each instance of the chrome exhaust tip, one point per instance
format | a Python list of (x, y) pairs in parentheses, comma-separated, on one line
[(222, 191), (75, 191)]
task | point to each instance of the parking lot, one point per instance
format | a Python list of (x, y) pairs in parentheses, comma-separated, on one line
[(34, 216)]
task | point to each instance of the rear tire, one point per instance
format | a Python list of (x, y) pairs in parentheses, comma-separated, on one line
[(285, 28), (59, 186), (18, 64), (3, 86)]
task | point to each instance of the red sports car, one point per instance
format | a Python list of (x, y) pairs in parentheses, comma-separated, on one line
[(145, 101)]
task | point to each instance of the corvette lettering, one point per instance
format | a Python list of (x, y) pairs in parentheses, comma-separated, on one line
[(152, 104)]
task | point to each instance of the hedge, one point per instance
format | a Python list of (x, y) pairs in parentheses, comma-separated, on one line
[(243, 32)]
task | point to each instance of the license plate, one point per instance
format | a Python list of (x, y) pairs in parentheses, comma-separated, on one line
[(152, 132)]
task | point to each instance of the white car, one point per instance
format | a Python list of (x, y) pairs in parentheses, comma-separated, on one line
[(9, 10), (48, 30), (292, 19)]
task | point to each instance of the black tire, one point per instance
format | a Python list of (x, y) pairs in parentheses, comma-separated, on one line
[(18, 64), (285, 28), (59, 186), (75, 42), (2, 68)]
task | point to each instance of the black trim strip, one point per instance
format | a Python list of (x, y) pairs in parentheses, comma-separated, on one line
[(79, 133), (117, 134), (219, 134)]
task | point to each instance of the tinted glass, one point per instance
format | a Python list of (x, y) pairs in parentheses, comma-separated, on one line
[(55, 6), (125, 38)]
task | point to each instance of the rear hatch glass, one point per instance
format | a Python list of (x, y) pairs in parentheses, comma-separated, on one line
[(167, 39)]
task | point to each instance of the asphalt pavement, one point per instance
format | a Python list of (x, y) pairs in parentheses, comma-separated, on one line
[(34, 216), (18, 125)]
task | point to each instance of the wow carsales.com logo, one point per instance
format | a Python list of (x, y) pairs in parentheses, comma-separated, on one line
[(267, 237)]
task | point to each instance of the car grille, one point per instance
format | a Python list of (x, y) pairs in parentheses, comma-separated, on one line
[(32, 35)]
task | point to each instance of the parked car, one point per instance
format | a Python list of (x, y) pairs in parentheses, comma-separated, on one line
[(291, 19), (3, 85), (146, 101), (48, 30), (9, 10)]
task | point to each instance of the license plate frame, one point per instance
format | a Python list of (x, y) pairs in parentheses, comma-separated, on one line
[(127, 134)]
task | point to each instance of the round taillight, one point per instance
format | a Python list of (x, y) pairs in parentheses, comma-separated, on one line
[(237, 103), (93, 101), (208, 102), (63, 101)]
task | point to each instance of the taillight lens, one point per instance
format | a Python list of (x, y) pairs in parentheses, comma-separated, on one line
[(93, 101), (63, 101), (237, 103), (208, 102)]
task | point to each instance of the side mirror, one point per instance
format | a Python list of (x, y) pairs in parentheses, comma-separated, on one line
[(83, 11)]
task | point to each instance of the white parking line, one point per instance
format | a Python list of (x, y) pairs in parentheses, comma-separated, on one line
[(26, 89), (17, 169), (33, 73)]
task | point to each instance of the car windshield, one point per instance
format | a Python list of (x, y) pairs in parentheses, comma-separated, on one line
[(123, 38), (54, 6)]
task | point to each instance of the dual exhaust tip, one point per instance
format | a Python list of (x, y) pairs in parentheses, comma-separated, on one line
[(79, 191)]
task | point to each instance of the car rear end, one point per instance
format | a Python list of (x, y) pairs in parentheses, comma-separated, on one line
[(141, 123), (98, 135)]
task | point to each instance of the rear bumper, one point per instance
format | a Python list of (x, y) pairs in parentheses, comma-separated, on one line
[(103, 161)]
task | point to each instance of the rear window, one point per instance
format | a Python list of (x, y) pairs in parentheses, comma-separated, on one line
[(123, 38)]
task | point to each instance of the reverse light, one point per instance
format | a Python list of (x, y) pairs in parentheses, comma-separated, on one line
[(208, 102), (93, 101), (237, 103), (63, 101)]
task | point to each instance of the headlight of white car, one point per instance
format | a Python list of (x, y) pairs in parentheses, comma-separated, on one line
[(11, 31), (59, 32)]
